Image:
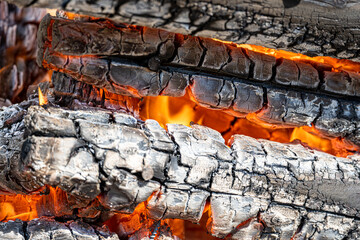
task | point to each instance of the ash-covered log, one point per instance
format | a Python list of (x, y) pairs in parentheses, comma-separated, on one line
[(18, 69), (219, 75), (256, 188), (47, 228), (316, 27)]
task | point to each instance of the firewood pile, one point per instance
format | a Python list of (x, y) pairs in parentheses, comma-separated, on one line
[(80, 157)]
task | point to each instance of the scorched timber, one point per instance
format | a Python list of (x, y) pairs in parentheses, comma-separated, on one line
[(218, 75), (319, 27), (18, 68), (78, 95), (280, 190), (46, 228)]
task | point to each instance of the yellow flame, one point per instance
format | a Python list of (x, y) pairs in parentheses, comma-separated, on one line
[(51, 11), (42, 99), (169, 110)]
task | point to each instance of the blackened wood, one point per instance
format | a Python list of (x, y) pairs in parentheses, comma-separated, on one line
[(18, 28), (316, 27), (77, 95), (256, 187)]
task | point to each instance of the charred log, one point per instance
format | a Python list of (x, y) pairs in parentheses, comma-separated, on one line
[(78, 95), (256, 187), (18, 68), (319, 27), (47, 228), (219, 76)]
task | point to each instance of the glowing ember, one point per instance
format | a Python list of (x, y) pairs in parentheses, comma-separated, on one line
[(28, 207), (42, 99)]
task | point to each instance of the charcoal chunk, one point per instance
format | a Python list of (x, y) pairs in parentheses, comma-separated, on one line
[(206, 89), (94, 68), (239, 64), (287, 72), (309, 76), (248, 98), (263, 65), (190, 52), (136, 43), (290, 108), (140, 79), (338, 82), (355, 83), (175, 83), (330, 123), (216, 54), (68, 38)]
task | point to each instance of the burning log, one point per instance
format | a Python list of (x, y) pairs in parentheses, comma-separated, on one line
[(18, 68), (255, 187), (277, 91), (47, 228), (303, 26)]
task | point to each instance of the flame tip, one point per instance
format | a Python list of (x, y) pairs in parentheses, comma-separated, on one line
[(42, 99)]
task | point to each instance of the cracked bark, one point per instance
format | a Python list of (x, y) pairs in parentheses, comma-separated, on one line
[(316, 27), (18, 68), (283, 92), (256, 188)]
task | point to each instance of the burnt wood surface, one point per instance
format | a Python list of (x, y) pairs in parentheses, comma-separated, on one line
[(77, 95), (220, 76), (257, 188), (320, 27), (18, 69), (47, 228)]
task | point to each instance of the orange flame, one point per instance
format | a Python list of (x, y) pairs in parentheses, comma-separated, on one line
[(183, 110), (127, 224), (28, 207), (42, 99)]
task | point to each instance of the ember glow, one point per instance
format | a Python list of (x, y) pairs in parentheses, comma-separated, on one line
[(185, 111), (48, 202), (128, 224)]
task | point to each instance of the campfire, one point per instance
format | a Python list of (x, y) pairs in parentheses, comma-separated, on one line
[(170, 120)]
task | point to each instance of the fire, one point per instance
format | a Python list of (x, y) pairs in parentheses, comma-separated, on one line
[(42, 99), (183, 110), (169, 110), (28, 207), (127, 224)]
